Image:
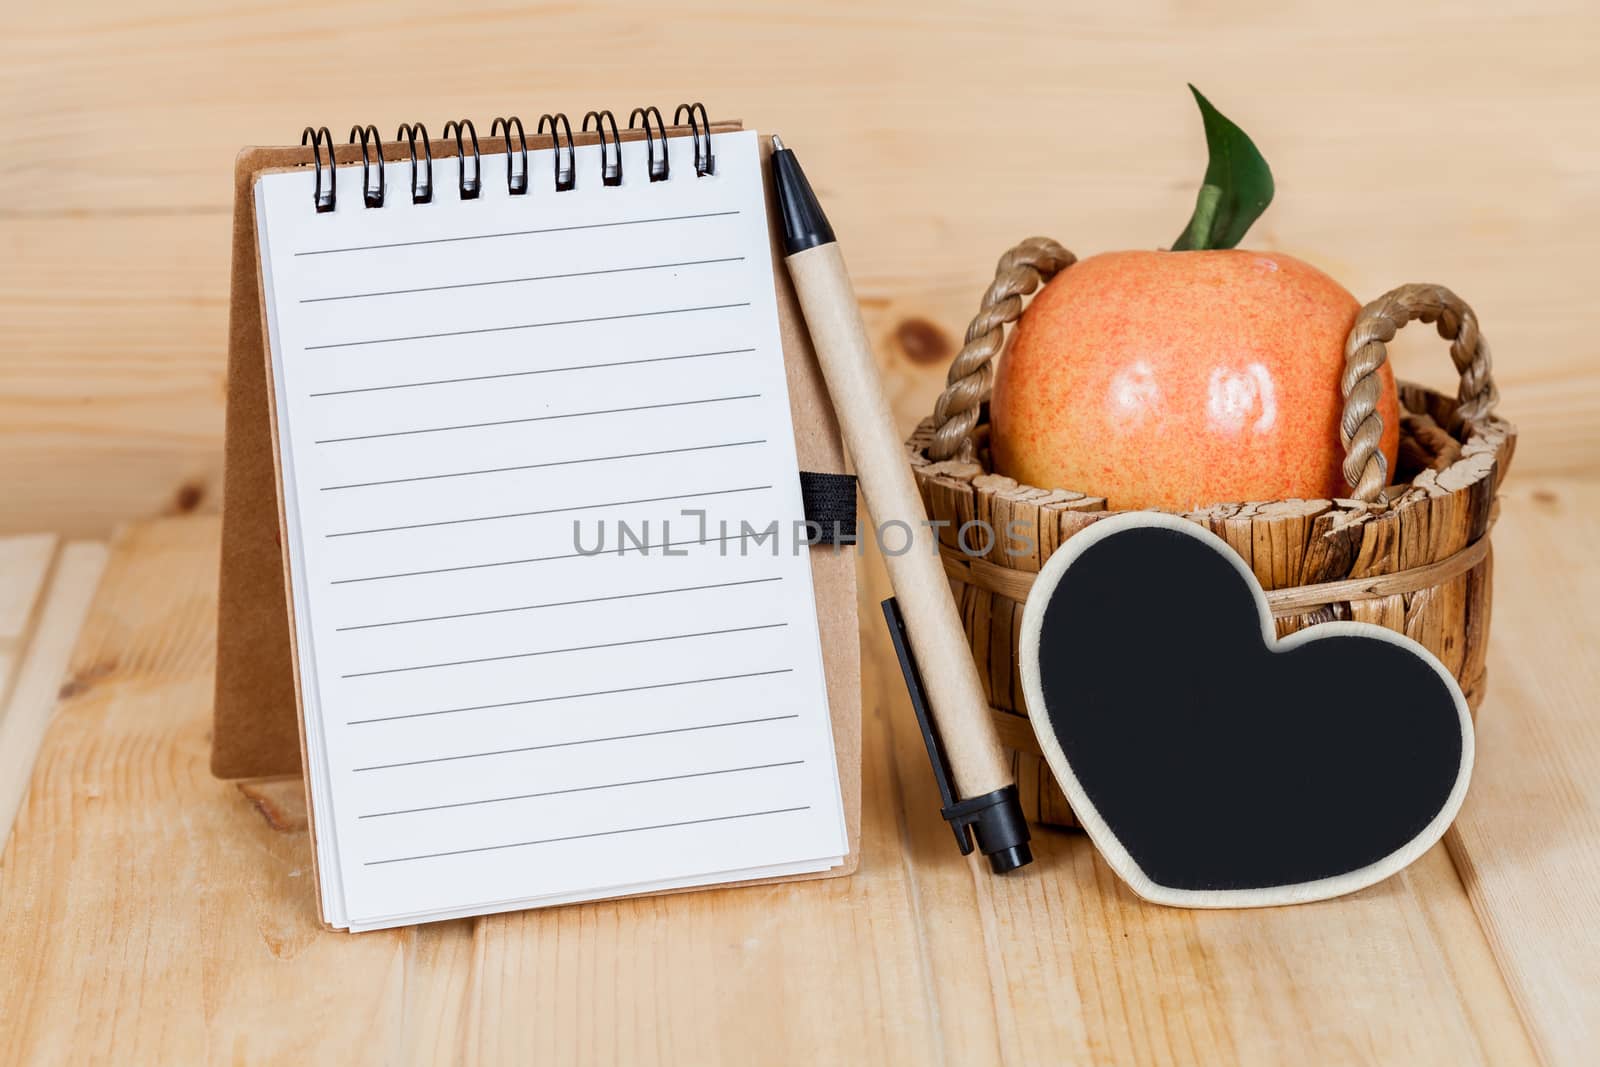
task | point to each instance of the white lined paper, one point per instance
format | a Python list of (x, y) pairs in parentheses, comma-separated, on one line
[(495, 716)]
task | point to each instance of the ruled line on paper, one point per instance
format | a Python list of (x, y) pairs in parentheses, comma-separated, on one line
[(581, 837), (539, 418), (558, 604), (584, 789), (572, 648), (643, 551), (581, 741), (518, 281), (551, 463), (527, 373), (571, 696), (565, 509), (524, 326), (516, 233)]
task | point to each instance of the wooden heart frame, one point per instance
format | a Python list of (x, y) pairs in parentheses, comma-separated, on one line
[(1095, 824)]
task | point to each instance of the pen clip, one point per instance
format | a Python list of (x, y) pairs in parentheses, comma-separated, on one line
[(930, 733), (995, 818)]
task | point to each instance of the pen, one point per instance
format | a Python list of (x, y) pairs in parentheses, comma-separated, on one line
[(959, 709)]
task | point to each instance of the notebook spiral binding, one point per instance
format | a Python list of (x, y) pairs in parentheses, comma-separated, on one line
[(469, 178)]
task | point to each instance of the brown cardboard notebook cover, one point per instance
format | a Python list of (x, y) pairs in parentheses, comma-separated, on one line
[(257, 721)]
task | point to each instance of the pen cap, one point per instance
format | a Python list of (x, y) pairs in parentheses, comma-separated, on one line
[(804, 224)]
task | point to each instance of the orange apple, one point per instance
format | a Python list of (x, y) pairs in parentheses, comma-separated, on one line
[(1180, 379)]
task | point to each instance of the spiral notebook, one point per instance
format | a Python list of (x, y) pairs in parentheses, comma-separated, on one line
[(555, 631)]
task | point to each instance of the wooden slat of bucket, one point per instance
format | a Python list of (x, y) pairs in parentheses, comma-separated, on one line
[(1432, 614), (1288, 624), (1386, 611), (1380, 546), (1001, 507), (1274, 537), (1475, 631), (1333, 543), (997, 503)]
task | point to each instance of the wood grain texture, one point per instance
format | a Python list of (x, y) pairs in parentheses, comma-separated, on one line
[(112, 371), (150, 912), (182, 907), (1528, 839), (1440, 148), (1106, 978), (24, 567), (25, 564), (40, 656)]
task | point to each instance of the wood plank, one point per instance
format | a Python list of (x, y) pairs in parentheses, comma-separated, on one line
[(1475, 972), (144, 904), (24, 567), (111, 400), (208, 892), (28, 710), (935, 958), (1528, 839), (1082, 971), (115, 202), (95, 144), (112, 380)]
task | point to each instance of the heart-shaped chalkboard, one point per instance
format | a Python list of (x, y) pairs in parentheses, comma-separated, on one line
[(1212, 764)]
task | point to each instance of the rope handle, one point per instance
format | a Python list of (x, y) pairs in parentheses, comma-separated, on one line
[(1365, 468), (1036, 260), (1019, 272)]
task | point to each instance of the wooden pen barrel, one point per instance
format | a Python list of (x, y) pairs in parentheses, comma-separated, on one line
[(1409, 552)]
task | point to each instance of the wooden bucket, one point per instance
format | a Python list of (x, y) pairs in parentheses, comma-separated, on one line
[(1412, 556)]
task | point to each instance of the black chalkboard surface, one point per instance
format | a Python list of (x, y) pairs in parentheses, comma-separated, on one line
[(1212, 764)]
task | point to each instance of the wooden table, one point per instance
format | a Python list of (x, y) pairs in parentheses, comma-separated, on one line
[(156, 915), (151, 914)]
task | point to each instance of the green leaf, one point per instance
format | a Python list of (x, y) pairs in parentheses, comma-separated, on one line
[(1237, 188)]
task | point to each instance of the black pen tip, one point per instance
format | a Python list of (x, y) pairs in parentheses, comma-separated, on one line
[(804, 224)]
